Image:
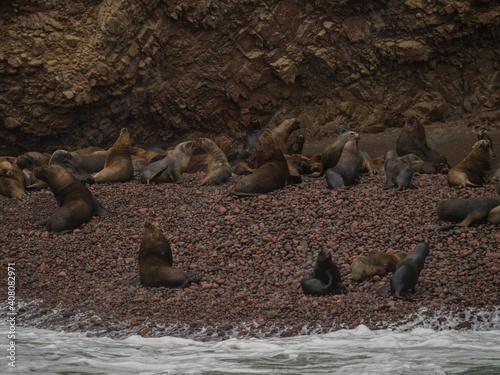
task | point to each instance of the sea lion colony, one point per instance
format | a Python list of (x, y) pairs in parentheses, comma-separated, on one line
[(268, 167)]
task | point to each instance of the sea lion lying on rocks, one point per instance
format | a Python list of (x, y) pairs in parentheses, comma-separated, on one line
[(218, 170), (12, 180), (171, 167), (155, 262), (324, 278), (364, 267), (465, 211), (474, 169), (76, 203)]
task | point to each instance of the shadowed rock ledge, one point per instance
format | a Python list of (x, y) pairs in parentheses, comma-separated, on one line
[(73, 73)]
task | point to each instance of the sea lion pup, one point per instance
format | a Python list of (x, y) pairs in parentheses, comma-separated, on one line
[(332, 153), (296, 146), (324, 278), (218, 170), (285, 128), (76, 203), (474, 169), (406, 275), (271, 173), (118, 166), (379, 264), (413, 140), (346, 172), (172, 166), (496, 181), (465, 211), (155, 262), (483, 134), (79, 165), (11, 180), (397, 172)]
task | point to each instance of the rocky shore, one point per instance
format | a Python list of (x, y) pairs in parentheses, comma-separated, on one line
[(252, 254)]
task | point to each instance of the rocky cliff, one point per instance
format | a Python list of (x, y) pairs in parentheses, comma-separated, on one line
[(73, 73)]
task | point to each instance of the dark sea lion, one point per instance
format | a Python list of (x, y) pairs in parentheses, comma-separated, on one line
[(465, 211), (271, 173), (118, 166), (332, 153), (408, 270), (12, 180), (171, 167), (324, 278), (397, 173), (474, 169), (347, 167), (365, 163), (155, 262), (364, 267), (76, 203), (218, 170), (296, 146)]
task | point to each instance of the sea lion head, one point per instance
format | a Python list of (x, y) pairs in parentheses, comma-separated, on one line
[(53, 175), (60, 157), (155, 244), (268, 149), (6, 169), (324, 258)]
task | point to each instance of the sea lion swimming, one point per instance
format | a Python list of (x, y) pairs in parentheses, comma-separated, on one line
[(156, 261), (324, 278), (76, 203), (473, 170), (465, 211)]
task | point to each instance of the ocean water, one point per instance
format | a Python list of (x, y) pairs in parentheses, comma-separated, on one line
[(358, 351)]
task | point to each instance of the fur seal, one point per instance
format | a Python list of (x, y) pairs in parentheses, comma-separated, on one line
[(271, 173), (218, 170), (474, 169), (155, 262), (11, 180), (76, 203), (324, 278), (380, 264), (465, 211), (406, 275), (397, 172), (332, 153), (172, 166), (345, 172), (118, 166)]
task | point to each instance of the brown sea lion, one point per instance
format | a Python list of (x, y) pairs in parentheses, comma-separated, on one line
[(88, 150), (365, 163), (147, 155), (155, 262), (496, 181), (11, 180), (118, 166), (271, 173), (285, 128), (76, 203), (324, 278), (474, 169), (172, 166), (364, 267), (465, 211), (408, 270), (218, 170), (346, 172), (29, 161), (79, 165), (296, 146), (332, 153)]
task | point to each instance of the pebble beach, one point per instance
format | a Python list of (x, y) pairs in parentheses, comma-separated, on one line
[(251, 253)]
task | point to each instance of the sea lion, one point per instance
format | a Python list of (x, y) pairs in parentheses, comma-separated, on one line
[(11, 180), (346, 168), (406, 275), (76, 203), (413, 140), (172, 166), (271, 173), (324, 278), (397, 173), (496, 181), (379, 264), (80, 165), (253, 132), (148, 155), (332, 153), (118, 166), (218, 170), (285, 128), (365, 163), (29, 161), (88, 150), (296, 146), (465, 211), (474, 169), (155, 262), (494, 215)]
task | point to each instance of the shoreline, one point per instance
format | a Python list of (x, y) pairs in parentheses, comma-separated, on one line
[(251, 253)]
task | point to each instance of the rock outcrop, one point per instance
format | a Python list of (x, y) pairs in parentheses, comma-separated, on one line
[(74, 73)]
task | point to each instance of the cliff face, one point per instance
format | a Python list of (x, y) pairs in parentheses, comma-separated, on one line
[(73, 73)]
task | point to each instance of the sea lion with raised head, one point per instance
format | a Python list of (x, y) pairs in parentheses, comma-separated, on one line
[(346, 168), (76, 203), (332, 153), (363, 267), (465, 211), (473, 170), (172, 166), (407, 272), (156, 261), (118, 166), (285, 128), (12, 180), (218, 170), (271, 173), (80, 165), (324, 278)]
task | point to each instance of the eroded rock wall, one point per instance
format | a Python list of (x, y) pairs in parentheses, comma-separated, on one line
[(73, 73)]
